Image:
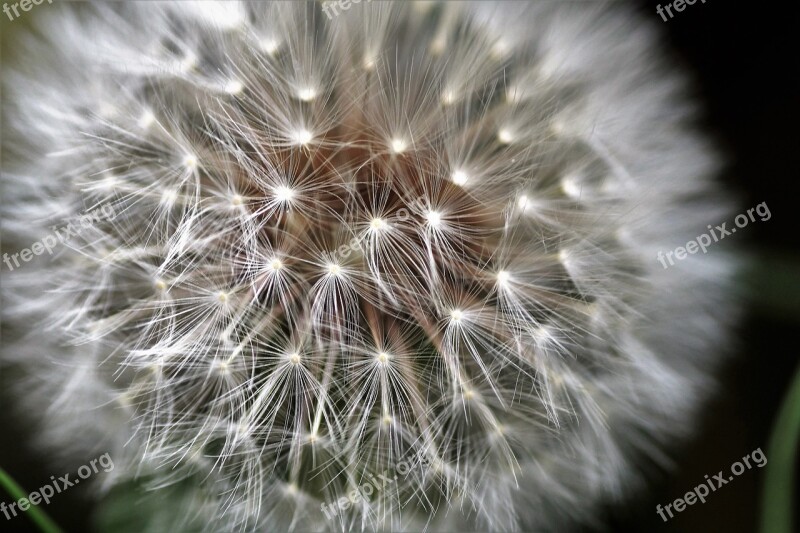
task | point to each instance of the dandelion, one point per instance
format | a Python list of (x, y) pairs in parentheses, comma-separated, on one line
[(506, 173)]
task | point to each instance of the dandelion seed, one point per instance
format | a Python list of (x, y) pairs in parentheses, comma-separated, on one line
[(370, 61), (146, 120), (284, 194), (188, 63), (449, 97), (169, 197), (500, 49), (505, 136), (302, 137), (270, 46), (306, 94), (398, 145), (233, 87), (571, 186), (334, 269), (434, 218), (460, 177), (503, 277)]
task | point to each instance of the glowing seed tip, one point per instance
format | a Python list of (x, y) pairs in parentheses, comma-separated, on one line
[(169, 196), (302, 136), (283, 194), (233, 87), (146, 119), (270, 46), (500, 49), (306, 94), (434, 218), (398, 145), (505, 136), (188, 62), (571, 186), (459, 177)]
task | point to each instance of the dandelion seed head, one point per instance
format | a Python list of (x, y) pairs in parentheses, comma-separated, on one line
[(410, 232)]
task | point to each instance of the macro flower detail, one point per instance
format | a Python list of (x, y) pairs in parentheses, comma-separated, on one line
[(416, 231)]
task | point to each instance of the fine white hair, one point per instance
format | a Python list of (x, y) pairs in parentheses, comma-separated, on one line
[(345, 238)]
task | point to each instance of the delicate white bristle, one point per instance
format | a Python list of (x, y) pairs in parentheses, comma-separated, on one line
[(292, 246)]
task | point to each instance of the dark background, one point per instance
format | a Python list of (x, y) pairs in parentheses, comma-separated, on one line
[(743, 56)]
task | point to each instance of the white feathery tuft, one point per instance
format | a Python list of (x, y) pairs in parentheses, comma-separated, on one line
[(419, 230)]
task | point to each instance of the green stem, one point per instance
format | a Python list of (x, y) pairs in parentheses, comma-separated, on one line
[(35, 513), (777, 503)]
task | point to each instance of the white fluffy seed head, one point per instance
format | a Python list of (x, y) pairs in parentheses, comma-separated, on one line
[(441, 245)]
